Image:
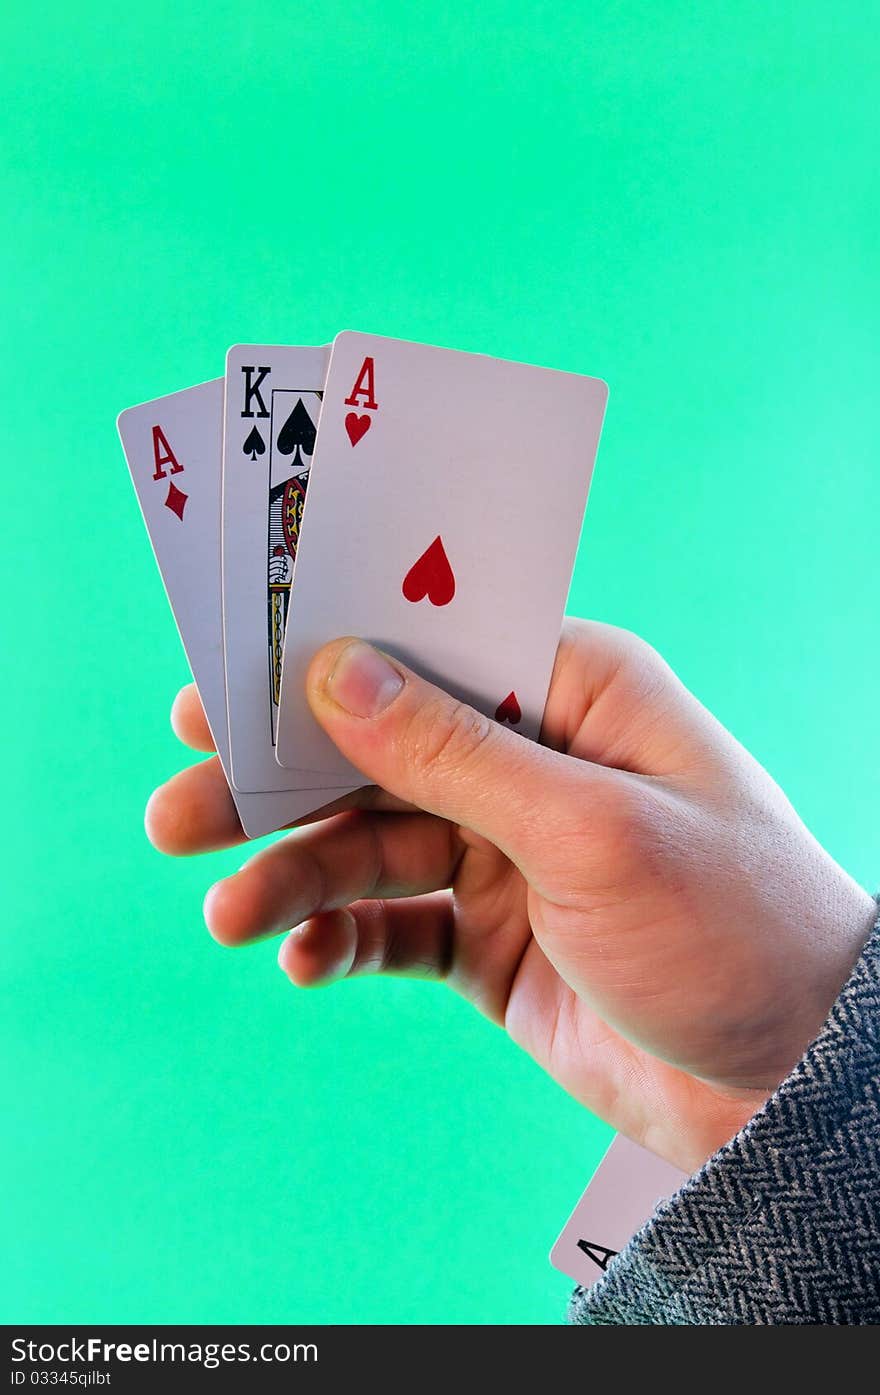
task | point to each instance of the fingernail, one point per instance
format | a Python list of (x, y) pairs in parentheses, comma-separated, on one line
[(208, 902), (292, 937), (363, 681)]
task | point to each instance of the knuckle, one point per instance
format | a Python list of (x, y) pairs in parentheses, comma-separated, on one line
[(441, 738), (637, 652), (643, 676), (614, 658)]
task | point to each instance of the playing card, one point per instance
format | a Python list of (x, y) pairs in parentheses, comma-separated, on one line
[(442, 521), (626, 1187), (272, 402), (173, 448)]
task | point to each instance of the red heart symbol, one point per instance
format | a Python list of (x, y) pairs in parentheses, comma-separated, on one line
[(356, 426), (430, 576), (509, 710)]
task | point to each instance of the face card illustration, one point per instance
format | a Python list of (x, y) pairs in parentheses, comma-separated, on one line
[(449, 489), (624, 1191), (272, 403), (173, 450)]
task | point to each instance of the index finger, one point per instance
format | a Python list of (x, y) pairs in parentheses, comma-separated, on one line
[(194, 812)]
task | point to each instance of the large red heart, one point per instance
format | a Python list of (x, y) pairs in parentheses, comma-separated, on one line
[(431, 576), (509, 710), (357, 426)]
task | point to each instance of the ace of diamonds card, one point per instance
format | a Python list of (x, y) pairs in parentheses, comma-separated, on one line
[(173, 449)]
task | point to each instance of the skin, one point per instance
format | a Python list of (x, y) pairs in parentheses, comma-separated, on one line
[(634, 900)]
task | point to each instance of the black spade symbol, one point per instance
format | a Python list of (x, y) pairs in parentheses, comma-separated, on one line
[(254, 445), (297, 435)]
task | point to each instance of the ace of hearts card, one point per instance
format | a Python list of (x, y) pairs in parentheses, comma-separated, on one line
[(441, 524)]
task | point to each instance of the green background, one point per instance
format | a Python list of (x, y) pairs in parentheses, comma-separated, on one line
[(680, 198)]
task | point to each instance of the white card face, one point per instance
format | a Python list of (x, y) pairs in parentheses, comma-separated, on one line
[(173, 448), (442, 522), (626, 1187), (272, 402)]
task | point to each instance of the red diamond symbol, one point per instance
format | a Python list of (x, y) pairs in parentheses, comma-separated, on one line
[(176, 500)]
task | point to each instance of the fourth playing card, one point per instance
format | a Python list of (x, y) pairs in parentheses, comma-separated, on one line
[(443, 515), (626, 1187)]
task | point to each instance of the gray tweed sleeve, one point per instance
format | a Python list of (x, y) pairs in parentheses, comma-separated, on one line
[(782, 1225)]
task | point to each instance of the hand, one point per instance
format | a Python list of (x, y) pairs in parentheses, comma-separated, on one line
[(634, 900)]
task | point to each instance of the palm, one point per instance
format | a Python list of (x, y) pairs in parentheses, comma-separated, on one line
[(498, 963)]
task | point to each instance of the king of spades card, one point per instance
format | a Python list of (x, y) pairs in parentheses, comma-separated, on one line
[(292, 443)]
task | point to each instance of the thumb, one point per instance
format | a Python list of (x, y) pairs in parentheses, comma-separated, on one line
[(431, 750)]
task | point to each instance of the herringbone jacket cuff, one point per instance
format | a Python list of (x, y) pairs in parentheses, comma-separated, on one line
[(782, 1224)]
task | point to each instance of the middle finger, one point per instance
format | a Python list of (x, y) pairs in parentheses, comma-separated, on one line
[(328, 865)]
